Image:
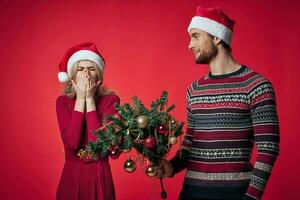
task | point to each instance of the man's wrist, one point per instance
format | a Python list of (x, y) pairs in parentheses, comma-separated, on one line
[(172, 170)]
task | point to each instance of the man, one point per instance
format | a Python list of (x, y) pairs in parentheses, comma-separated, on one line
[(228, 110)]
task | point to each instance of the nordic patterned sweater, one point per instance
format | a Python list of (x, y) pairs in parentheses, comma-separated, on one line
[(226, 115)]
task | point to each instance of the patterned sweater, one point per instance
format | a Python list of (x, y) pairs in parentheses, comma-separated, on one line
[(226, 115)]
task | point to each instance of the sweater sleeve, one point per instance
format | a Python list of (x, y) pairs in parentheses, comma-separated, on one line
[(179, 162), (266, 136), (94, 121), (70, 124)]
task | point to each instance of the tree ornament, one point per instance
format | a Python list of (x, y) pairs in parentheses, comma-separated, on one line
[(89, 154), (173, 140), (162, 129), (129, 166), (150, 142), (142, 121), (151, 170), (81, 153), (114, 152), (117, 116)]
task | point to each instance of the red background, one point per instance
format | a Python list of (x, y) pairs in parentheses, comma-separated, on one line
[(145, 44)]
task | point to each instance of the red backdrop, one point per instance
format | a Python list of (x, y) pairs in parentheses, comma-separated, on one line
[(145, 44)]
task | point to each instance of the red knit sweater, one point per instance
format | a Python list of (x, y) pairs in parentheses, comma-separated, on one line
[(81, 179)]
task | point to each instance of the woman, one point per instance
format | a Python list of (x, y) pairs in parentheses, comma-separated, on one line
[(80, 111)]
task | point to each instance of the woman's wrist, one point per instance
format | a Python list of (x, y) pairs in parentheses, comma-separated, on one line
[(90, 99), (79, 104), (81, 99), (90, 104)]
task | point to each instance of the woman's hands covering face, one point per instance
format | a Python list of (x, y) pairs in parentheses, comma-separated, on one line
[(85, 85)]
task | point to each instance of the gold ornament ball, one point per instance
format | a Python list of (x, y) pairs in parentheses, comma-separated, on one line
[(151, 171), (142, 121), (81, 153), (173, 140), (129, 166), (89, 155)]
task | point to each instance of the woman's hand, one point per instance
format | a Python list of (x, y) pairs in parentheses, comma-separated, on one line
[(92, 87), (80, 86)]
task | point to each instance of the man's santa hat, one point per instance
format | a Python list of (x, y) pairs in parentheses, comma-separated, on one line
[(85, 51), (213, 21)]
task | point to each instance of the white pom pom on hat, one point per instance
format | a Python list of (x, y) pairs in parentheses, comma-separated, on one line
[(63, 77), (84, 51)]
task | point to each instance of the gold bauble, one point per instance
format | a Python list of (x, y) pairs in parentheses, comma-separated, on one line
[(142, 121), (129, 166), (173, 140), (89, 154), (81, 153), (151, 171)]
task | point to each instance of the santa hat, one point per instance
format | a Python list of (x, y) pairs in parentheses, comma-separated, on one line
[(85, 51), (213, 21)]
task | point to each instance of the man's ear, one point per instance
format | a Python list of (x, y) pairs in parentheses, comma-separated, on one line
[(216, 40)]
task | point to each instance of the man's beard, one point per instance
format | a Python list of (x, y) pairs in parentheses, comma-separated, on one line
[(207, 54)]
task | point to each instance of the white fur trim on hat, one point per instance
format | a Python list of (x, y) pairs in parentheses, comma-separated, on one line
[(62, 77), (84, 55), (212, 27)]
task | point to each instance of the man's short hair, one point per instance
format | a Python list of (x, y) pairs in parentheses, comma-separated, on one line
[(224, 44)]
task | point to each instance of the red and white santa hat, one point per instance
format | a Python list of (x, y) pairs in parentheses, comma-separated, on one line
[(213, 21), (84, 51)]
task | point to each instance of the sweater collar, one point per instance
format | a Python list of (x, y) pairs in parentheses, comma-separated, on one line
[(240, 70)]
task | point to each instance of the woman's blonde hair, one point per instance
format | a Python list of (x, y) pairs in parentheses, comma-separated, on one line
[(101, 91)]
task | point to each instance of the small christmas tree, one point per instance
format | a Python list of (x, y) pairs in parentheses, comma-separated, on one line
[(151, 132)]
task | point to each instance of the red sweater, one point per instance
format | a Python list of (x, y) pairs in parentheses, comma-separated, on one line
[(81, 179)]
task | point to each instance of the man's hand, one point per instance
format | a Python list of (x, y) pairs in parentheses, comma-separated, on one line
[(165, 169)]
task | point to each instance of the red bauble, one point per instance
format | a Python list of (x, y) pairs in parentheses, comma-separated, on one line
[(117, 116), (114, 152), (150, 142), (162, 129)]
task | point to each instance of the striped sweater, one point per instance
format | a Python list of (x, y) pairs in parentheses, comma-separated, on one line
[(227, 114)]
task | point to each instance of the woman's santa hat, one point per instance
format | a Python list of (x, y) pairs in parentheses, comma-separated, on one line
[(213, 21), (85, 51)]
